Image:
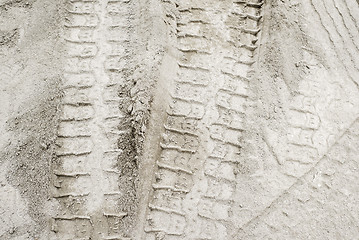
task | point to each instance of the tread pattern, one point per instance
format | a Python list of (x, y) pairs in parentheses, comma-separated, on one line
[(89, 186), (322, 204), (312, 130), (322, 109), (324, 105), (195, 182)]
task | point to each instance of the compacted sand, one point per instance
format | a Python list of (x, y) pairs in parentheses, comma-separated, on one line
[(179, 119)]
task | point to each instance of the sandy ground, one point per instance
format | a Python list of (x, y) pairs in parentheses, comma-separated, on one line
[(194, 119)]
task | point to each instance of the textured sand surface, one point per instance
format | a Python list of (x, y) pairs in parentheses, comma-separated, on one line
[(179, 119)]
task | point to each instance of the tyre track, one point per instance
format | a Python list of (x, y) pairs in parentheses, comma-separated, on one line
[(297, 181), (310, 133), (89, 186), (291, 210), (313, 130), (194, 184)]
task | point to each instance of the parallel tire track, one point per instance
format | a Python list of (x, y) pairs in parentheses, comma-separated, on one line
[(87, 178), (195, 180)]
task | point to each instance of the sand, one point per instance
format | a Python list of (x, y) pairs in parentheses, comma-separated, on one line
[(195, 119)]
